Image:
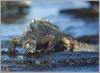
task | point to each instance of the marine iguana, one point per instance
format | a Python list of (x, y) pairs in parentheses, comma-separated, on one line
[(42, 34)]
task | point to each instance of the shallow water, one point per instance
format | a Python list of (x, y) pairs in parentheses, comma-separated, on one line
[(66, 23)]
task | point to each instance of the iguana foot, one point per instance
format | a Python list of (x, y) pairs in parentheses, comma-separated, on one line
[(12, 46)]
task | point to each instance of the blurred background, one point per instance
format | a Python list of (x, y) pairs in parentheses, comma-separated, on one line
[(77, 18), (80, 19)]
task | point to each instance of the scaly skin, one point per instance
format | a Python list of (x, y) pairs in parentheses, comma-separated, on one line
[(86, 47), (41, 34)]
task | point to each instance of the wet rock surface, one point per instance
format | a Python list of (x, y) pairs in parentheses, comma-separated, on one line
[(51, 60)]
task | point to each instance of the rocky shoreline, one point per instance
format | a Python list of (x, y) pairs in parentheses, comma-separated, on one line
[(52, 60), (83, 13)]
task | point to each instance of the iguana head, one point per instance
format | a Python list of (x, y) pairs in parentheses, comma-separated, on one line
[(29, 40), (30, 45)]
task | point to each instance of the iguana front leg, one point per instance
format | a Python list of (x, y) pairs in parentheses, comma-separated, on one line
[(12, 45)]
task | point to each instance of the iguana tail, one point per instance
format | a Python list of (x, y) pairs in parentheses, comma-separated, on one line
[(84, 47)]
